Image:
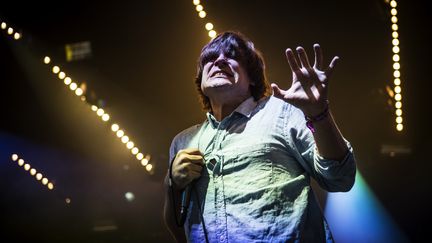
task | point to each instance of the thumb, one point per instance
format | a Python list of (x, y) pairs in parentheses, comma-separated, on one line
[(277, 92)]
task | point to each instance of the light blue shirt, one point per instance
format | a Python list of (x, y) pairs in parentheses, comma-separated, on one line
[(256, 183)]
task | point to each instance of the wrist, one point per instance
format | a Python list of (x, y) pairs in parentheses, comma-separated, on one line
[(310, 120)]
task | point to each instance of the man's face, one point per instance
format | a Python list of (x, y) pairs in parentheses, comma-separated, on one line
[(224, 76)]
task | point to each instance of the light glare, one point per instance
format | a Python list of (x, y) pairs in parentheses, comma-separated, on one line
[(61, 75), (120, 133), (47, 59), (73, 86), (212, 34), (55, 69), (202, 14), (130, 145), (399, 127), (105, 117), (209, 26), (114, 127)]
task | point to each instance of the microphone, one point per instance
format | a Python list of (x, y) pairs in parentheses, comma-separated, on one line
[(186, 197)]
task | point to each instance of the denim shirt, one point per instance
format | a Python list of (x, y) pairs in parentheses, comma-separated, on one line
[(255, 186)]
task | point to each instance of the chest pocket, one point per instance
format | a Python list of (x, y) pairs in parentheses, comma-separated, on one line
[(248, 167)]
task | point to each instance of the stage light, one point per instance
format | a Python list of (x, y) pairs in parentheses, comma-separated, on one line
[(212, 34), (396, 74), (50, 186), (398, 112), (135, 150), (395, 42), (10, 31), (144, 162), (393, 3), (114, 127), (47, 60), (130, 145), (199, 8), (14, 157), (397, 81), (73, 86), (399, 127), (120, 133), (78, 92), (196, 2), (125, 139), (395, 34), (26, 167), (17, 36), (394, 19), (397, 89), (129, 196), (100, 112), (396, 57), (139, 156), (399, 119), (56, 69), (38, 176), (68, 200), (395, 27), (209, 26), (94, 108), (32, 171), (398, 97), (149, 167), (20, 162), (393, 11), (398, 104), (61, 75), (105, 117), (395, 49), (67, 81), (396, 66), (3, 25), (44, 181), (202, 14)]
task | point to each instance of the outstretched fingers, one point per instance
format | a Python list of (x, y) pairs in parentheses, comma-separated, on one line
[(331, 67), (318, 56)]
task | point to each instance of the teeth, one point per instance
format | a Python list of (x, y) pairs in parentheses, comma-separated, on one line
[(220, 74)]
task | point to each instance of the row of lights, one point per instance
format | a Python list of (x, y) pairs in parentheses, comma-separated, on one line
[(396, 66), (10, 31), (79, 91), (202, 14), (32, 171)]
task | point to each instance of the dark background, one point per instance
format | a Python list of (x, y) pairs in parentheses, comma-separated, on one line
[(142, 69)]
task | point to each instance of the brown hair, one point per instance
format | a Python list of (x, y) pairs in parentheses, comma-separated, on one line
[(237, 46)]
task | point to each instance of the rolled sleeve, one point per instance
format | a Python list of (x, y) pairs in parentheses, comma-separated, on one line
[(334, 175)]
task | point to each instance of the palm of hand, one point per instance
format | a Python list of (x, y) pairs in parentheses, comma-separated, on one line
[(309, 89)]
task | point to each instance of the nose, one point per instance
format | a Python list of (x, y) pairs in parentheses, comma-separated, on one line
[(221, 60)]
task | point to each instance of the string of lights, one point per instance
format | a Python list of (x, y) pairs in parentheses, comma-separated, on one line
[(9, 30), (79, 91), (202, 14), (396, 65), (33, 171)]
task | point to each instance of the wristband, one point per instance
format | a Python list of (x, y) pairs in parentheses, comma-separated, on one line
[(319, 117)]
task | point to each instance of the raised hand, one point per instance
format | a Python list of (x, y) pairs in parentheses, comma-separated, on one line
[(309, 89)]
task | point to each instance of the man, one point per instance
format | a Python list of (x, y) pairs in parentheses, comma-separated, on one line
[(248, 166)]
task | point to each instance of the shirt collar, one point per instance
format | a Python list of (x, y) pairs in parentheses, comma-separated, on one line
[(245, 108)]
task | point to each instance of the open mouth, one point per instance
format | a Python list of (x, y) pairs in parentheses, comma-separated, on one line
[(220, 73)]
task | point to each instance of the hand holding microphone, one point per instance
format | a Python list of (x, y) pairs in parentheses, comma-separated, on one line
[(186, 168)]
